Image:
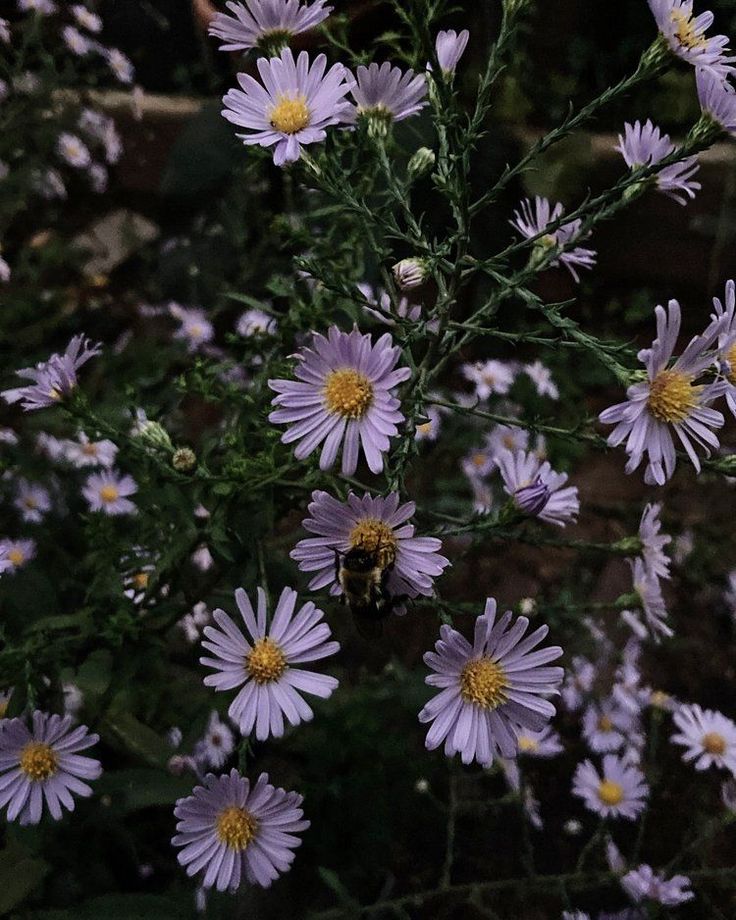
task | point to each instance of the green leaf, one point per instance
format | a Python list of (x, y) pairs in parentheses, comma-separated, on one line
[(141, 787), (332, 880), (20, 873), (93, 677), (137, 738)]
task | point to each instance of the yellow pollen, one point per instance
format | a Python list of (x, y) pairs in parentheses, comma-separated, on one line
[(610, 792), (605, 724), (479, 459), (236, 827), (508, 441), (30, 502), (686, 33), (54, 393), (731, 358), (140, 580), (672, 396), (38, 761), (290, 115), (482, 682), (375, 536), (89, 450), (659, 699), (425, 427), (3, 707), (16, 556), (714, 743), (528, 744), (266, 662), (109, 493), (348, 393)]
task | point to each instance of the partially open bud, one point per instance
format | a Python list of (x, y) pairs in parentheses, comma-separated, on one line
[(410, 273), (421, 163), (532, 499)]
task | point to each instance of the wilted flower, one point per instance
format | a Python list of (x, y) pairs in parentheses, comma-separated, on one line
[(53, 379), (618, 792), (491, 690), (32, 500), (710, 738), (379, 525), (384, 94), (343, 396), (532, 219), (265, 664), (643, 883), (265, 24), (73, 150), (536, 489), (668, 400), (108, 491), (217, 744), (232, 830), (685, 34), (298, 102), (450, 47), (44, 763), (489, 377), (644, 145)]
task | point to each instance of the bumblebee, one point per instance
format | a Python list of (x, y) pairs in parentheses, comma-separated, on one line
[(364, 582)]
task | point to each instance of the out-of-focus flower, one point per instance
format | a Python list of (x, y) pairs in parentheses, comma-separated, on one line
[(108, 491), (649, 592), (541, 377), (653, 542), (217, 744), (532, 219), (619, 791), (450, 47), (195, 329), (120, 65), (644, 884), (384, 94), (644, 145), (73, 698), (544, 743), (4, 31), (256, 322), (234, 831), (727, 342), (86, 18), (44, 764), (578, 683), (507, 438), (192, 623), (265, 24), (685, 34), (489, 377), (53, 379), (76, 42), (536, 489), (202, 558), (668, 400), (343, 396), (17, 553), (490, 690), (98, 177), (266, 665), (32, 500), (44, 7), (606, 727), (708, 736), (376, 525), (84, 452), (49, 184), (294, 106), (73, 150)]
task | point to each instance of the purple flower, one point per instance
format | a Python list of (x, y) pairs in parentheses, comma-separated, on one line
[(489, 377), (490, 690), (374, 525), (708, 736), (384, 94), (651, 601), (606, 727), (685, 34), (14, 554), (545, 743), (450, 47), (195, 329), (619, 791), (53, 379), (108, 491), (668, 400), (344, 397), (717, 100), (507, 438), (256, 322), (643, 883), (84, 452), (536, 489), (265, 23), (44, 763), (32, 500), (653, 542), (578, 682), (120, 65), (644, 145), (217, 744), (293, 106), (533, 218), (73, 151), (76, 42), (264, 665), (384, 311), (727, 343), (86, 18), (231, 830), (43, 7), (541, 377)]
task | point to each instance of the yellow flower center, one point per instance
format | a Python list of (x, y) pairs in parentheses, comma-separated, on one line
[(236, 827), (16, 556), (140, 580), (30, 502), (424, 428), (348, 393), (605, 724), (38, 761), (109, 494), (479, 459), (4, 707), (508, 441), (610, 792), (528, 744), (659, 699), (714, 743), (731, 358), (266, 662), (482, 682), (290, 115), (672, 396), (89, 450), (686, 33), (374, 536)]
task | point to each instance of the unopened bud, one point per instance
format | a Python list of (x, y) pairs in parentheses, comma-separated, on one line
[(152, 434), (410, 273), (421, 163)]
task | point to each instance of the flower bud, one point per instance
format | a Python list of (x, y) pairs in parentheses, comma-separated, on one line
[(152, 434), (421, 163), (184, 460), (410, 273)]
